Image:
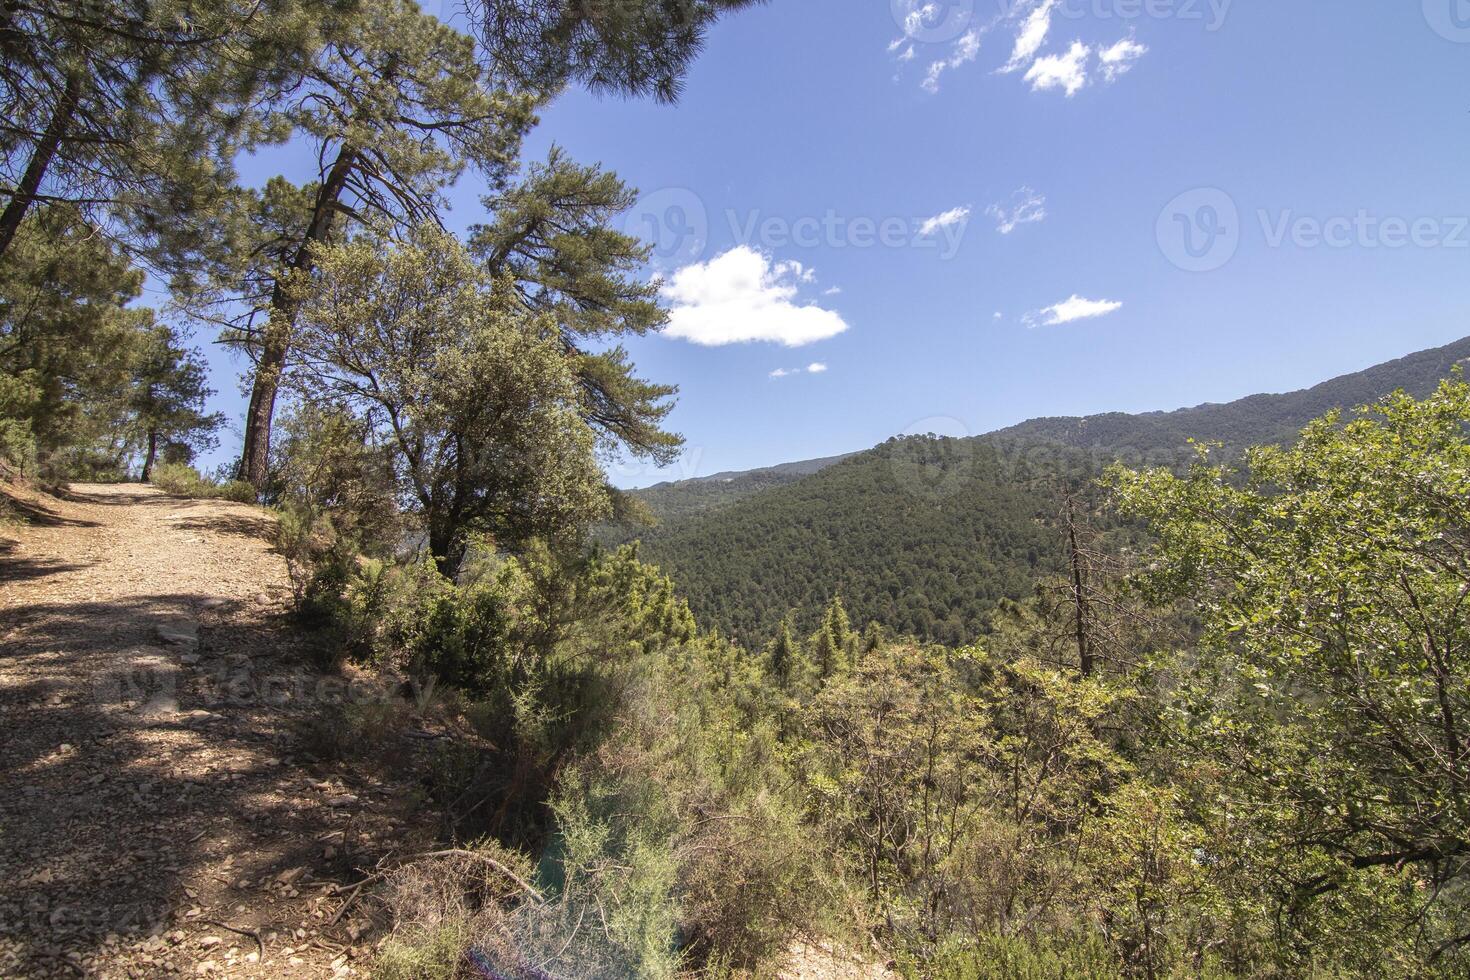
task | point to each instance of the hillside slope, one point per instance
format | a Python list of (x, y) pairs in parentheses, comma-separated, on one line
[(684, 498), (925, 535), (1249, 421)]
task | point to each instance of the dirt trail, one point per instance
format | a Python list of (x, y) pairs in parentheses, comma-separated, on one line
[(158, 810)]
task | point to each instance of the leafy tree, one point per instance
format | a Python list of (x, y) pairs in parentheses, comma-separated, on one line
[(1331, 579), (166, 399), (552, 236), (473, 394)]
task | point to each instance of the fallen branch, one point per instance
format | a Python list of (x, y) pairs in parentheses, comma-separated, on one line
[(486, 859), (252, 933)]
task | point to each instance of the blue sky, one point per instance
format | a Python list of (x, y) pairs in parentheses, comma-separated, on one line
[(1210, 199)]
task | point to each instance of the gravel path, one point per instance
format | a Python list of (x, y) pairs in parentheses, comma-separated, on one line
[(158, 814)]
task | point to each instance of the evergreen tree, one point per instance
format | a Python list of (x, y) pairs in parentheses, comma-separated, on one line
[(552, 236), (396, 107), (166, 400), (636, 47), (66, 334), (826, 653), (134, 110), (785, 660)]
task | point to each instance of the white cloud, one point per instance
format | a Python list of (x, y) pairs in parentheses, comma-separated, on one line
[(1118, 59), (1031, 36), (740, 296), (953, 216), (908, 54), (832, 291), (816, 367), (1064, 71), (966, 49), (997, 315), (1026, 207), (1074, 308)]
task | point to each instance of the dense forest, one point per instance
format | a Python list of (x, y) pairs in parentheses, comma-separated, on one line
[(1056, 702), (926, 535)]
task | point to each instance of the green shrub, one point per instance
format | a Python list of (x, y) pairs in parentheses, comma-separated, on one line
[(183, 480), (996, 957)]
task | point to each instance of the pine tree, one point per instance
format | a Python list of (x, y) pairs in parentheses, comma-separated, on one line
[(635, 47), (397, 106), (66, 331), (166, 400), (552, 236), (785, 659), (133, 110)]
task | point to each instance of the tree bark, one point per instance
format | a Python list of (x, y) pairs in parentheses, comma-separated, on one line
[(255, 455), (40, 162), (1079, 593), (152, 455)]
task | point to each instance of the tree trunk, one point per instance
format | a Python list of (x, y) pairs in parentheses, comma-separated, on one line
[(1079, 593), (152, 455), (255, 455), (447, 547), (40, 162)]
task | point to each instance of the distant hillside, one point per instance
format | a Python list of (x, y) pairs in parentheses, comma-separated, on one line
[(676, 500), (1250, 421), (925, 535)]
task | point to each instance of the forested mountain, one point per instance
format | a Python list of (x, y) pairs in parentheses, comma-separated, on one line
[(925, 535), (1249, 421), (683, 498)]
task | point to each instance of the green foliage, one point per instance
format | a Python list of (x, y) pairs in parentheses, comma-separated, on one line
[(134, 111), (927, 536), (999, 957), (474, 397), (1329, 578), (166, 398), (552, 236), (183, 480), (66, 341), (639, 47), (922, 535)]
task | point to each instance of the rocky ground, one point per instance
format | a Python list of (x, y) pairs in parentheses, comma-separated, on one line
[(160, 813)]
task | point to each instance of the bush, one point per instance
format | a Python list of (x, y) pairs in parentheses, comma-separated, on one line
[(995, 957), (183, 480)]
